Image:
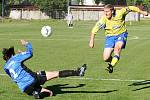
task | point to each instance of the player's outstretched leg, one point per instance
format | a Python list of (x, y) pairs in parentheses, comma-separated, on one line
[(45, 76), (66, 73), (79, 72)]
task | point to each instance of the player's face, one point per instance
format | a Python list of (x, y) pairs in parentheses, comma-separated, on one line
[(108, 12)]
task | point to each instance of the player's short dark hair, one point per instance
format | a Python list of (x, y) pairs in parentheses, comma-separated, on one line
[(8, 52), (110, 6)]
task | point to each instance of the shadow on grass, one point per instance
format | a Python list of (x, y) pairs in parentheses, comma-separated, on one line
[(1, 92), (146, 82), (57, 89)]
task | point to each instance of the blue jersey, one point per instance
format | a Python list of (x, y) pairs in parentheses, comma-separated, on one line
[(19, 73)]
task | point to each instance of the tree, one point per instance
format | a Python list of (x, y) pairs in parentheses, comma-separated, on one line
[(21, 2), (114, 2), (53, 8), (48, 5), (121, 2), (109, 1)]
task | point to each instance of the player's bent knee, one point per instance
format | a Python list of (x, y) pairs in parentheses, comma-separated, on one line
[(117, 50)]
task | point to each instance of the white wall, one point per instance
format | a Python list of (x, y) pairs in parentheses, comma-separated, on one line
[(77, 15), (27, 14), (95, 15)]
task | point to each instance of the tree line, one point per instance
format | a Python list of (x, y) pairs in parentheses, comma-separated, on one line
[(49, 5)]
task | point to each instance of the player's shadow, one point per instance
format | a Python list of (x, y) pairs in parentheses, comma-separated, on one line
[(1, 92), (57, 89), (146, 82)]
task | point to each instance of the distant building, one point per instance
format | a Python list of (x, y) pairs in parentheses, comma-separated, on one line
[(88, 2)]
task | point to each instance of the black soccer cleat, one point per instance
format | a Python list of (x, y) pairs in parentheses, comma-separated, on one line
[(36, 95), (82, 69), (109, 68)]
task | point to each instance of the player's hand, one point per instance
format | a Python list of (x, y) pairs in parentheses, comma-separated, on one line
[(23, 42), (145, 13), (19, 51), (91, 44)]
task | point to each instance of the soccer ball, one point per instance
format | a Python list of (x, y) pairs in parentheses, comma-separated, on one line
[(46, 31)]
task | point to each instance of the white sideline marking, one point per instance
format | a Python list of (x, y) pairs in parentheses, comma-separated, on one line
[(52, 39), (99, 79), (133, 38), (96, 79), (81, 38), (3, 74)]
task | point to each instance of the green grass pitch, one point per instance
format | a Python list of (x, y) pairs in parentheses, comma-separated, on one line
[(68, 49)]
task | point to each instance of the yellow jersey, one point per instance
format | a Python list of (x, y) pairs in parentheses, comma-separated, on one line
[(115, 25)]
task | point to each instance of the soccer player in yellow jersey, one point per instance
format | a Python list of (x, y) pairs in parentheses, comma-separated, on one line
[(113, 22)]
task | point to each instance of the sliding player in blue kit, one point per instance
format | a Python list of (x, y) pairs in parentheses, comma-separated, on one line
[(28, 81)]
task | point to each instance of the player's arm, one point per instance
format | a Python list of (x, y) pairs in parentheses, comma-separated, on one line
[(99, 25), (144, 12), (28, 46), (91, 43), (136, 9), (26, 54)]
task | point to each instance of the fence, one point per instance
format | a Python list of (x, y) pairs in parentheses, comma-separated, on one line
[(95, 12), (31, 12), (79, 13)]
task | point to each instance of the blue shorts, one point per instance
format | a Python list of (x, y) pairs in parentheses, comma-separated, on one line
[(112, 40)]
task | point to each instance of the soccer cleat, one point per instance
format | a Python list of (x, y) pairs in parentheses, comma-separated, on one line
[(110, 68), (36, 95), (82, 69)]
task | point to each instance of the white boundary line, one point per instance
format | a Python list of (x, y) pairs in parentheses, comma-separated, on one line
[(96, 79), (101, 79), (3, 74), (78, 39), (81, 38)]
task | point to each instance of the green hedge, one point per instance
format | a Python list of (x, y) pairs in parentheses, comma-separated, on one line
[(0, 9)]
